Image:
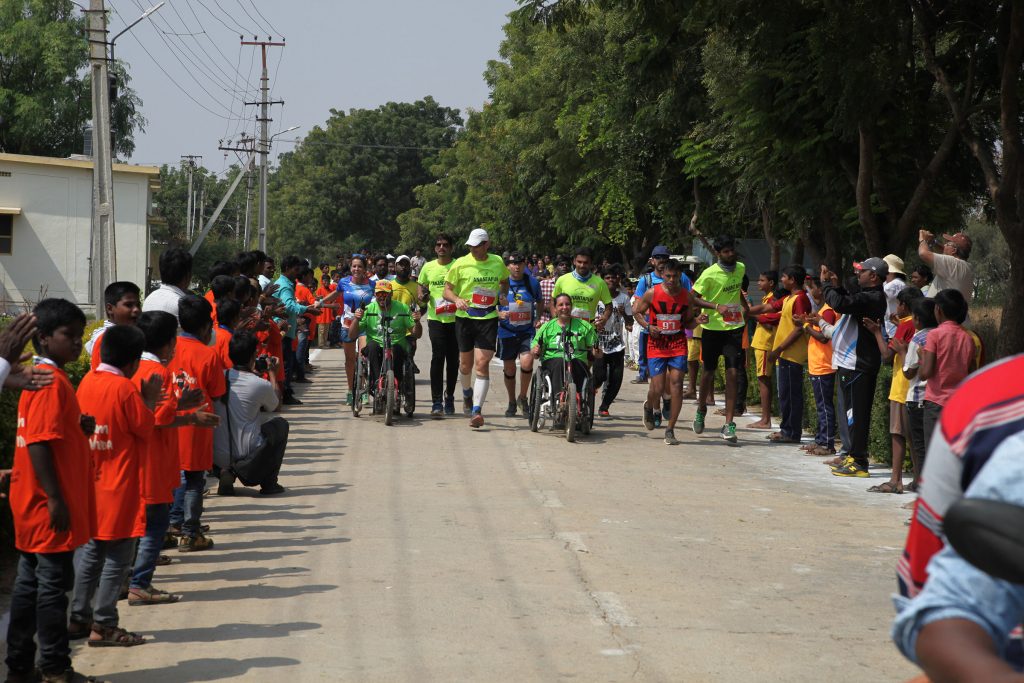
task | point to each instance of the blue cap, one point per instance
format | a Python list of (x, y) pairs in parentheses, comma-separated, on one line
[(660, 250)]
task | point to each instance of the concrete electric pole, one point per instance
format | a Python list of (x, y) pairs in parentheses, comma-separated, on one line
[(264, 145), (102, 250)]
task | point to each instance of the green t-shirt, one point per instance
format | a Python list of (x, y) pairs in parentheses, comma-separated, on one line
[(585, 295), (401, 323), (432, 276), (721, 287), (582, 336), (479, 283)]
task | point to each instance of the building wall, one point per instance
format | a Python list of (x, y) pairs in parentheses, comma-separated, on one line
[(50, 254)]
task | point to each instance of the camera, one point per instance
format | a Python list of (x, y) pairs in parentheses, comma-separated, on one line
[(262, 363)]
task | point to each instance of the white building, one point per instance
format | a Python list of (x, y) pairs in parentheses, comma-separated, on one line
[(45, 219)]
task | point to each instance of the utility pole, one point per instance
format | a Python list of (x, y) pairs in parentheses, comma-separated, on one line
[(246, 145), (264, 146), (190, 164), (103, 256)]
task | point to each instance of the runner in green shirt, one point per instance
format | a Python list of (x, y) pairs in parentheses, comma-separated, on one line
[(547, 344), (719, 290), (444, 345), (586, 288), (477, 284)]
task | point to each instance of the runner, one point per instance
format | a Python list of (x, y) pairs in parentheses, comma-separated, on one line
[(586, 288), (609, 367), (357, 290), (477, 284), (517, 323), (670, 315), (659, 255), (718, 290), (444, 345)]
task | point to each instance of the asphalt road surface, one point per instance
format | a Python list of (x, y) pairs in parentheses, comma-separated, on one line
[(429, 551)]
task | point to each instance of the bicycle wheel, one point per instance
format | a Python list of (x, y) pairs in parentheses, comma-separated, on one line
[(360, 381), (389, 400), (536, 398), (570, 412), (409, 390), (586, 408)]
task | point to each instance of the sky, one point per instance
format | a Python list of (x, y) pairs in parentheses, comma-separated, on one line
[(192, 74)]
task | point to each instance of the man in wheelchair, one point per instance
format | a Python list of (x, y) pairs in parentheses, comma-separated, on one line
[(403, 324), (547, 346)]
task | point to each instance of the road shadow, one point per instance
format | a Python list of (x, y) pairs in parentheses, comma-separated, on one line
[(254, 556), (255, 591), (262, 515), (243, 531), (241, 574), (283, 542), (209, 669), (324, 490), (226, 632)]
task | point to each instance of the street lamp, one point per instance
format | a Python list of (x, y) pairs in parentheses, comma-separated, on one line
[(281, 132), (129, 27)]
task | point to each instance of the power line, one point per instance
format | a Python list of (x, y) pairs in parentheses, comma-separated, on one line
[(326, 143), (230, 16), (272, 27), (236, 29), (251, 18)]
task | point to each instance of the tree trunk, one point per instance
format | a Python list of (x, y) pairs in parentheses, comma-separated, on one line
[(769, 237), (1011, 327), (798, 251), (833, 248), (865, 177)]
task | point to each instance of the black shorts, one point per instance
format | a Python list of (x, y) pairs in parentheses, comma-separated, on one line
[(510, 348), (726, 344), (476, 334)]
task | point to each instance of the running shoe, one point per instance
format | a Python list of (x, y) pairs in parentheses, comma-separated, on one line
[(467, 401), (511, 410), (604, 414), (648, 417), (477, 420), (657, 419), (729, 432), (698, 423), (670, 438), (449, 404), (666, 407), (436, 410), (851, 469), (524, 406), (349, 398)]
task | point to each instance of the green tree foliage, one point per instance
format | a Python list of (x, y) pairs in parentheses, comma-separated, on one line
[(348, 181), (45, 98)]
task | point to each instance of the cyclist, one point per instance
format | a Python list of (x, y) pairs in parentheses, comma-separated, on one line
[(404, 325), (477, 284), (444, 345), (357, 293), (586, 288), (517, 324), (719, 289), (547, 345), (668, 304)]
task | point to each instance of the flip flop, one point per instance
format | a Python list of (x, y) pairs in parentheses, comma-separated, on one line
[(886, 487)]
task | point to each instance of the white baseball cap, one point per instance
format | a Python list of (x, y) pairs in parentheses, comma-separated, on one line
[(477, 237), (401, 258)]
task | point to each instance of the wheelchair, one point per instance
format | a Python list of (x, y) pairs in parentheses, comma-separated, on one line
[(572, 409)]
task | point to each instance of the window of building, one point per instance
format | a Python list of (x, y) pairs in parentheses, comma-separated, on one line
[(6, 233)]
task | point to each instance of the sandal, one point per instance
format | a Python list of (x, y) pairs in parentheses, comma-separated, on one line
[(886, 487), (78, 629), (151, 596), (163, 560), (912, 487), (819, 451), (758, 425), (778, 437), (114, 636)]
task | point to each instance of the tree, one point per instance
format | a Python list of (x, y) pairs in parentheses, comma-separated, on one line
[(347, 182), (45, 97)]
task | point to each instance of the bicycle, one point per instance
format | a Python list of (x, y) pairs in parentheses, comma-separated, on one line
[(572, 408), (386, 394)]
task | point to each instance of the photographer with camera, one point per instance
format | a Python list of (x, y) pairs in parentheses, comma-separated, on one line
[(253, 443)]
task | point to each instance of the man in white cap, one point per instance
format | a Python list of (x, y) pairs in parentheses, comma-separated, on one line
[(895, 281), (477, 284), (952, 271)]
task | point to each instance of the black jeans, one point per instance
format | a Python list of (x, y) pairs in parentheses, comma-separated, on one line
[(791, 397), (608, 368), (39, 607), (858, 390), (554, 368), (264, 464), (375, 355), (932, 413), (444, 358), (289, 363), (918, 445)]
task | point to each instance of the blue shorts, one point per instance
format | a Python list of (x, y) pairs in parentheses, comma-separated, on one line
[(657, 366), (510, 348)]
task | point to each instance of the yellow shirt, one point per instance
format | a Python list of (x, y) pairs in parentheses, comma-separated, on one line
[(764, 336), (900, 382), (797, 351), (408, 293)]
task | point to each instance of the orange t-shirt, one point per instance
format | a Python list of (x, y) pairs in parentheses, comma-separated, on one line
[(51, 415), (124, 425), (213, 304), (275, 346), (197, 365), (220, 345), (327, 315), (161, 473), (305, 297)]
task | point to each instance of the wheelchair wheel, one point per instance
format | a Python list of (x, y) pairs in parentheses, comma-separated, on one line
[(536, 399), (571, 414), (409, 389), (389, 397), (359, 380), (587, 408)]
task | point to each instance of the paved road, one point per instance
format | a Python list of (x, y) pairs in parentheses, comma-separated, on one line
[(431, 552)]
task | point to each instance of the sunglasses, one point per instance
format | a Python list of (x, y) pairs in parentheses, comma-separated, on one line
[(442, 244)]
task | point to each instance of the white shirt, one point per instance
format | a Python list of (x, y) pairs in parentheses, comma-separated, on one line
[(613, 337), (892, 290), (263, 280), (248, 397), (952, 273), (164, 299), (5, 370), (96, 334)]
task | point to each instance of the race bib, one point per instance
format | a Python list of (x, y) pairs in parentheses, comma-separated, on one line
[(733, 315), (483, 297), (582, 313), (669, 323), (444, 307), (520, 313)]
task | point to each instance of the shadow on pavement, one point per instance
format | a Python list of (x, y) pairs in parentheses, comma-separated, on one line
[(262, 516), (254, 556), (203, 669), (226, 531), (242, 574), (224, 632), (256, 591)]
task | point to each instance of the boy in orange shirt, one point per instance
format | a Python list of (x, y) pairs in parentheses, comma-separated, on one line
[(195, 365), (160, 473), (123, 307), (51, 500), (124, 423), (227, 315)]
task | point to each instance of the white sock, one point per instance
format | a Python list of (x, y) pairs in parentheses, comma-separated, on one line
[(480, 391), (466, 381)]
